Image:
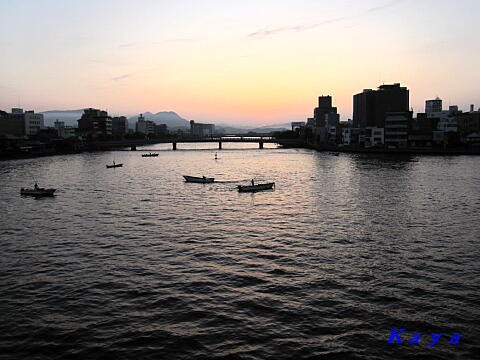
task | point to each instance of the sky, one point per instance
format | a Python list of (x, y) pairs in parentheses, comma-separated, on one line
[(234, 62)]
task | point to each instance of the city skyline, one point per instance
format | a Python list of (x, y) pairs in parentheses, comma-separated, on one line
[(238, 63)]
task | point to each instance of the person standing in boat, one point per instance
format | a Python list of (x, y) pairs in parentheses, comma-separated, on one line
[(35, 186), (253, 183)]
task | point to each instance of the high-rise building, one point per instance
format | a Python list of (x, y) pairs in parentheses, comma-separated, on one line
[(323, 110), (397, 126), (161, 130), (145, 126), (371, 106), (324, 126), (64, 131), (95, 123), (201, 130), (119, 125), (20, 123), (12, 124), (33, 122), (433, 106), (364, 109)]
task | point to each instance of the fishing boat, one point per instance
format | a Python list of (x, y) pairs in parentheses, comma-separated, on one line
[(150, 155), (257, 187), (37, 191), (200, 180), (114, 165)]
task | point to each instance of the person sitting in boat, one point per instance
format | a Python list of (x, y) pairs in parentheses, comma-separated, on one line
[(204, 178), (35, 186), (253, 183)]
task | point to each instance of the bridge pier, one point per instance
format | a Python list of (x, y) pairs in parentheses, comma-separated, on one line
[(219, 145), (260, 145), (174, 146)]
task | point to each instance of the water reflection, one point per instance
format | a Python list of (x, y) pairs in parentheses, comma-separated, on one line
[(343, 249)]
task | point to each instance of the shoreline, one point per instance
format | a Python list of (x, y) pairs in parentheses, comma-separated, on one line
[(333, 149), (420, 151), (359, 150)]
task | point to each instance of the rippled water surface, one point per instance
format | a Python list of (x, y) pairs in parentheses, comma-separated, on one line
[(135, 263)]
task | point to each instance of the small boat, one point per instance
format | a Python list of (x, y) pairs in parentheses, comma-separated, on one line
[(150, 155), (114, 165), (254, 188), (200, 180), (37, 191)]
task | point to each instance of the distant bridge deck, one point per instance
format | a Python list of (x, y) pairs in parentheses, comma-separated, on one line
[(260, 140)]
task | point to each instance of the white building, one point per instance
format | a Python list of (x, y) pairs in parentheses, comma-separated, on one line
[(63, 131), (448, 120), (60, 127), (33, 122), (144, 126)]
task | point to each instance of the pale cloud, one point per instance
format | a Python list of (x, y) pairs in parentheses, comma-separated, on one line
[(121, 77), (305, 27), (297, 28)]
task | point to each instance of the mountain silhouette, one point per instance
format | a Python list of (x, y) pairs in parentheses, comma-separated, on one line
[(170, 118)]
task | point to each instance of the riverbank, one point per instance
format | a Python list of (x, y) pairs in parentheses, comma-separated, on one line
[(26, 152), (22, 149), (410, 151), (355, 149)]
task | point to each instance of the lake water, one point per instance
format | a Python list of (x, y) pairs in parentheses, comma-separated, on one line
[(135, 263)]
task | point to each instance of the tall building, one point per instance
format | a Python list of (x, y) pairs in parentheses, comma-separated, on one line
[(364, 109), (433, 106), (371, 106), (201, 130), (161, 130), (324, 126), (12, 124), (119, 125), (144, 126), (397, 129), (64, 131), (33, 122), (324, 112), (21, 123), (95, 123)]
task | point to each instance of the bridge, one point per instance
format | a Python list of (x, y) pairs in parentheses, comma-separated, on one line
[(228, 139), (260, 140)]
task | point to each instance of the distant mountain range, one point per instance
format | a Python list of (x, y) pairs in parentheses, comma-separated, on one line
[(70, 117), (170, 118)]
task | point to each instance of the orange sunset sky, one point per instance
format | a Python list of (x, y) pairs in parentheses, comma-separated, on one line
[(235, 62)]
